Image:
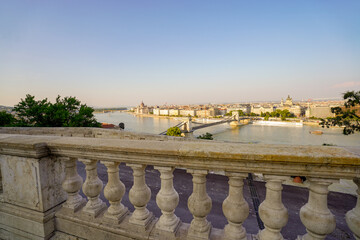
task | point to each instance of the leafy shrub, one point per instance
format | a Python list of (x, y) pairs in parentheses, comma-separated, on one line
[(207, 136), (174, 131)]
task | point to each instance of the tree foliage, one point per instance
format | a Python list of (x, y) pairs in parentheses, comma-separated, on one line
[(6, 119), (174, 131), (346, 118), (66, 112), (207, 136), (283, 114), (267, 116), (241, 113)]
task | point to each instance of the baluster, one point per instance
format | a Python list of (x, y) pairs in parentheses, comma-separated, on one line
[(92, 188), (315, 215), (353, 216), (114, 192), (72, 185), (272, 211), (199, 204), (235, 208), (167, 199), (0, 180), (139, 196)]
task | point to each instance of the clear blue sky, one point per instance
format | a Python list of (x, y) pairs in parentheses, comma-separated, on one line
[(117, 53)]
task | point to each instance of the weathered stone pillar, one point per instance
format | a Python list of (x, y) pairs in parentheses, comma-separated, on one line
[(72, 185), (0, 180), (272, 211), (92, 188), (199, 204), (31, 188), (139, 196), (235, 208), (114, 192), (353, 216), (167, 199), (315, 215)]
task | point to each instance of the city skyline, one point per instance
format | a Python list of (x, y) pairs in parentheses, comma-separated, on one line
[(120, 53)]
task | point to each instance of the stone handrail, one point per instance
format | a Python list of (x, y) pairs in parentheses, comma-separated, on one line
[(49, 154), (312, 161)]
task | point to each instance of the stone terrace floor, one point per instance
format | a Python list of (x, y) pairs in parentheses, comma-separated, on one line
[(217, 188)]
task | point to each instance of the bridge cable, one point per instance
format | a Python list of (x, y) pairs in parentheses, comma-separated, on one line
[(255, 199), (177, 125)]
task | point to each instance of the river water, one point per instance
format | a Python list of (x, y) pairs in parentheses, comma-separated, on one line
[(246, 134)]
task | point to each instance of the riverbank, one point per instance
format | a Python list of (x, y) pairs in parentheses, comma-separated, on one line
[(279, 123), (293, 121), (152, 115)]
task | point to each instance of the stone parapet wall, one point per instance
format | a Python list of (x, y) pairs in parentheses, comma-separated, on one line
[(89, 133), (38, 171)]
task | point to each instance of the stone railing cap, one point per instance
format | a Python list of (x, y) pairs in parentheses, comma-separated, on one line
[(24, 145)]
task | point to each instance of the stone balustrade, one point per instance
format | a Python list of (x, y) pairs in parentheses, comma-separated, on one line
[(41, 184)]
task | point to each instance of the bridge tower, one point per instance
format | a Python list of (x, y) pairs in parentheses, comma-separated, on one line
[(187, 128), (236, 116)]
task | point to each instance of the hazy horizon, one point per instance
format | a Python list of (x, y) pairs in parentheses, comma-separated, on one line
[(119, 53)]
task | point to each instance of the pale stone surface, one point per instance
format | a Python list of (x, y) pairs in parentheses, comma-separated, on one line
[(315, 215), (311, 161), (167, 199), (72, 185), (0, 180), (64, 236), (272, 211), (235, 208), (86, 132), (353, 216), (27, 157), (32, 183), (92, 188), (199, 204), (27, 223), (139, 196), (21, 181), (31, 194), (114, 191)]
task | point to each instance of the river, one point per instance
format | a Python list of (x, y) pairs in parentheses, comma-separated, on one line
[(246, 134)]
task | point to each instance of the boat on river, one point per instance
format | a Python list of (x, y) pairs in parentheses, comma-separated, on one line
[(317, 132)]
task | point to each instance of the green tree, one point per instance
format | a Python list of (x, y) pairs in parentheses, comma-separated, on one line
[(6, 119), (66, 112), (346, 118), (241, 113), (207, 136), (31, 113), (267, 116), (229, 113), (174, 131)]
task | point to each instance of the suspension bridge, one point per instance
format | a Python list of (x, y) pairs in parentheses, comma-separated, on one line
[(187, 126)]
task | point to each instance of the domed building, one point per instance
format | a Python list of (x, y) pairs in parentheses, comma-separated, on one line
[(288, 102), (297, 110), (143, 109)]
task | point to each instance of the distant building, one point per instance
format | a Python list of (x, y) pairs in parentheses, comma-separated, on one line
[(211, 112), (295, 109), (188, 112), (156, 111), (222, 111), (288, 102), (174, 112), (143, 109), (319, 111), (164, 112), (246, 108), (262, 109)]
